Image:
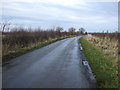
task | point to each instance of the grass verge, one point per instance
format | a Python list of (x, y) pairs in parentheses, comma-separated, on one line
[(101, 65), (22, 51)]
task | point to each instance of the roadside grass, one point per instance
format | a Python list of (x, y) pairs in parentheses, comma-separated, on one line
[(101, 65), (21, 51)]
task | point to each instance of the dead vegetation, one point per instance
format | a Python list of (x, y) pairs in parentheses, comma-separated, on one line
[(19, 38), (108, 43), (102, 54)]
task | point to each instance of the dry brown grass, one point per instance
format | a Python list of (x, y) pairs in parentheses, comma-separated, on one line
[(103, 65), (19, 38), (107, 45)]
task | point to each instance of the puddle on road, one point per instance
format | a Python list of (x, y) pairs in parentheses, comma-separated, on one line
[(87, 67)]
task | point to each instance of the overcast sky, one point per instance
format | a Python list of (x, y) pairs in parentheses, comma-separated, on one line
[(93, 16)]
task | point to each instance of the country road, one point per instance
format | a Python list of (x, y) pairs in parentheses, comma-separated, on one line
[(58, 65)]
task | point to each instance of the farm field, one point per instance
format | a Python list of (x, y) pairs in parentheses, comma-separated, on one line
[(104, 57)]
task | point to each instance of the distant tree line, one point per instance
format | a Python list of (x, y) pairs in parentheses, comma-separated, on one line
[(21, 37), (72, 29)]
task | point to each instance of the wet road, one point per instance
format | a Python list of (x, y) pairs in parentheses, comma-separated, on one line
[(58, 65)]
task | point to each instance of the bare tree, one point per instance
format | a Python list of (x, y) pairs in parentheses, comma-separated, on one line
[(5, 25), (107, 31), (81, 30), (59, 29), (72, 29)]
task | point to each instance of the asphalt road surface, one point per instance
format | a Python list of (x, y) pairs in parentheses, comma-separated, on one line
[(58, 65)]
